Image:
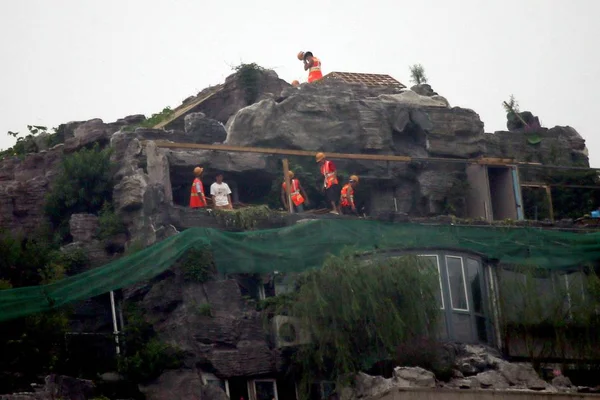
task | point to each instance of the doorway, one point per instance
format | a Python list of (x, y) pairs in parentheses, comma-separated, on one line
[(494, 193)]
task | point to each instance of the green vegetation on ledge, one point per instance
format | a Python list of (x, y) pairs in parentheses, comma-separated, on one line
[(83, 185), (154, 120), (249, 77)]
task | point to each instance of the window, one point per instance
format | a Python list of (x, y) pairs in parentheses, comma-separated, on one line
[(435, 261), (456, 283), (211, 379), (265, 389)]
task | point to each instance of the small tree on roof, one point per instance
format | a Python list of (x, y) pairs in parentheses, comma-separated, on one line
[(417, 74), (512, 105)]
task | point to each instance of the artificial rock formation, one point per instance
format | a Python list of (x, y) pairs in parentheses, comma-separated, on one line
[(475, 367), (152, 190), (229, 339)]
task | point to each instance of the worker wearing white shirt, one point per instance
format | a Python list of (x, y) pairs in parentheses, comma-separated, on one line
[(221, 194)]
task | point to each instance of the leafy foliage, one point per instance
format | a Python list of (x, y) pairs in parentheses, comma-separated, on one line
[(33, 345), (146, 356), (84, 183), (109, 223), (198, 265), (246, 218), (154, 119), (205, 310), (511, 106), (29, 144), (551, 318), (417, 74), (249, 76), (359, 313)]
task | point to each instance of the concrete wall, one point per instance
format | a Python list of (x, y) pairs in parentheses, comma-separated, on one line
[(448, 394)]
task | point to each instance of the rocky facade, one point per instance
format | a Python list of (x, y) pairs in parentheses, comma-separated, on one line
[(152, 190), (230, 339), (474, 367), (331, 116)]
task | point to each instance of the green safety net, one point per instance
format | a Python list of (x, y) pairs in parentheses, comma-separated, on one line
[(305, 245)]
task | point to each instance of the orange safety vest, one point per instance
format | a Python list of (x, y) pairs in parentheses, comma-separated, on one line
[(314, 72), (196, 200), (328, 174), (297, 198), (347, 196)]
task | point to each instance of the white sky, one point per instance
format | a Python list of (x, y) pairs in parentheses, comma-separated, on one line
[(67, 60)]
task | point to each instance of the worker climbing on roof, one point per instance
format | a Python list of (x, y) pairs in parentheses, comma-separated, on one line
[(297, 193), (330, 181), (311, 64), (347, 205), (197, 198)]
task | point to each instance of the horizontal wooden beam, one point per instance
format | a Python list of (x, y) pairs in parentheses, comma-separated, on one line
[(185, 108), (490, 161), (343, 156), (543, 185)]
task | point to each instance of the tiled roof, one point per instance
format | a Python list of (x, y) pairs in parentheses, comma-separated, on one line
[(366, 79)]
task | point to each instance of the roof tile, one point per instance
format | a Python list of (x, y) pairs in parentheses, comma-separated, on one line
[(366, 79)]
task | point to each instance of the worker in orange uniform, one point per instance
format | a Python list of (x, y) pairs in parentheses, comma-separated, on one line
[(197, 198), (297, 193), (311, 64), (330, 181), (347, 205)]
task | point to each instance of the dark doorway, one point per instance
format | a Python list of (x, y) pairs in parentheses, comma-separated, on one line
[(238, 388)]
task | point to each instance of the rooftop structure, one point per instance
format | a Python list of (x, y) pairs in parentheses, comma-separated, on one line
[(372, 80)]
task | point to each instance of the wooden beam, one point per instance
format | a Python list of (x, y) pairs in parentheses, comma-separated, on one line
[(344, 156), (550, 205), (543, 185), (184, 108), (288, 187)]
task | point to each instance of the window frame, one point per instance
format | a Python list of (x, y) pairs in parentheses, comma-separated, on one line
[(207, 376), (271, 380), (464, 281), (439, 269)]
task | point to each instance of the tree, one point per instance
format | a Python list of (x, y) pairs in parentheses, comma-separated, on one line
[(359, 313), (417, 74), (512, 106)]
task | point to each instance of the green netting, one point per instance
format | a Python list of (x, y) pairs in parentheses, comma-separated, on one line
[(302, 246)]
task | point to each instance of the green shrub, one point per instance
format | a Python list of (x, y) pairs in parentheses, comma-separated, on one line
[(151, 122), (150, 361), (205, 310), (246, 218), (249, 77), (109, 223), (358, 314), (72, 259), (198, 265), (145, 357), (33, 345), (84, 183)]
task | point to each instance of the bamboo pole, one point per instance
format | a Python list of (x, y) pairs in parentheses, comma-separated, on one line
[(288, 187), (550, 205), (517, 114)]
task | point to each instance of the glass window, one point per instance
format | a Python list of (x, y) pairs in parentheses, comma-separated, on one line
[(434, 261), (265, 390), (217, 382), (474, 284), (456, 282)]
